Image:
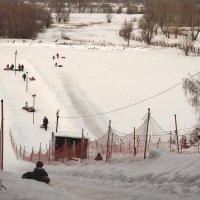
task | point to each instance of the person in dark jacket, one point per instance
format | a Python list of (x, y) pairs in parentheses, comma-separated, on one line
[(45, 122), (38, 174), (99, 157), (24, 76)]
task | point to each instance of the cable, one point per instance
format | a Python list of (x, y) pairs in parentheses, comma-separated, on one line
[(133, 104)]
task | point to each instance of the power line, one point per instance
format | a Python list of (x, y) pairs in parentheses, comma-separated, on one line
[(133, 104)]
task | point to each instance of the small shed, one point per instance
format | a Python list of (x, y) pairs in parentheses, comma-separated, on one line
[(69, 147)]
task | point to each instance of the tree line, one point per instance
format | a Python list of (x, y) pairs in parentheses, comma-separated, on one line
[(21, 20), (180, 17)]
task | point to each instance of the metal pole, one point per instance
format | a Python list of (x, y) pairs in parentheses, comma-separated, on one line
[(34, 95), (26, 81), (15, 61), (145, 146), (57, 117), (2, 138)]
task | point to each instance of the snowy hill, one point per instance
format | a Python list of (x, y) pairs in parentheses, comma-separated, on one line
[(96, 79)]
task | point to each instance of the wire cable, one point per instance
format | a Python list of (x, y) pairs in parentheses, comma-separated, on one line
[(130, 105)]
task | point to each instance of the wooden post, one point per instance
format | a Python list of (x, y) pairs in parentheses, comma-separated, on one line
[(176, 131), (170, 142), (134, 147), (107, 152), (26, 81), (2, 134), (74, 149), (49, 151), (20, 151), (111, 145), (32, 155), (39, 152), (82, 143), (146, 139), (24, 153)]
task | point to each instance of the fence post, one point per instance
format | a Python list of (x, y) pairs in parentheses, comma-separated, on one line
[(49, 151), (39, 152), (146, 139), (134, 147), (111, 149), (32, 155), (109, 130), (20, 151), (24, 153), (176, 131), (82, 140), (170, 141)]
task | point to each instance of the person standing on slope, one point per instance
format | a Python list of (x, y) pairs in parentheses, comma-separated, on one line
[(45, 122)]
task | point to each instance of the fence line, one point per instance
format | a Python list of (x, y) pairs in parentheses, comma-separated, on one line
[(115, 147)]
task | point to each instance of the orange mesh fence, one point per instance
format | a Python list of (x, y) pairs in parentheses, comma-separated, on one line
[(115, 146)]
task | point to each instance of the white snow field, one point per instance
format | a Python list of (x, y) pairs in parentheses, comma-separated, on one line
[(96, 79)]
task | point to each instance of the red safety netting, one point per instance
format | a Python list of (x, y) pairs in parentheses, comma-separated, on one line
[(115, 146)]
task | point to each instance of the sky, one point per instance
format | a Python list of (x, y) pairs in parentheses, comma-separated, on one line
[(95, 79)]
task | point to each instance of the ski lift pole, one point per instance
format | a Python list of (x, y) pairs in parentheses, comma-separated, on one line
[(34, 95), (57, 117)]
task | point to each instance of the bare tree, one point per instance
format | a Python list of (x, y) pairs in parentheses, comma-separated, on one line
[(126, 30), (147, 24), (187, 44), (191, 87)]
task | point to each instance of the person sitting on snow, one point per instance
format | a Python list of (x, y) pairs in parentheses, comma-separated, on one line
[(99, 157), (38, 174)]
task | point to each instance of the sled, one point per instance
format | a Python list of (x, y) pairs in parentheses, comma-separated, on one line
[(29, 109), (29, 175), (42, 126), (32, 78)]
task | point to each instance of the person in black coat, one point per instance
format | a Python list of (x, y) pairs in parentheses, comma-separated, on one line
[(45, 122), (99, 157), (38, 174)]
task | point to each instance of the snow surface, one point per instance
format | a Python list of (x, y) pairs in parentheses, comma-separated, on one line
[(96, 79)]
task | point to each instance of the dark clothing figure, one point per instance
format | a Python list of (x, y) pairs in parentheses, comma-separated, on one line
[(53, 57), (24, 76), (45, 122), (57, 55), (19, 67), (22, 67), (56, 64), (38, 174), (99, 157)]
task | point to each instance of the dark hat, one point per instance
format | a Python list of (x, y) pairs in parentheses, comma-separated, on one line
[(39, 164)]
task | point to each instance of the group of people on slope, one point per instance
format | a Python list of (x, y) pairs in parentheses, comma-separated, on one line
[(11, 67)]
